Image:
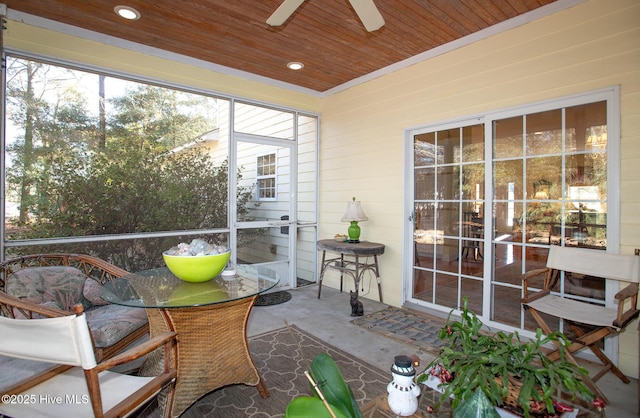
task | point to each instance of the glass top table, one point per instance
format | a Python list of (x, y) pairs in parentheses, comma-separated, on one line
[(211, 321), (159, 288)]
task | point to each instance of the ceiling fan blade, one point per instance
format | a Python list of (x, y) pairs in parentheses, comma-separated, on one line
[(368, 14), (283, 12)]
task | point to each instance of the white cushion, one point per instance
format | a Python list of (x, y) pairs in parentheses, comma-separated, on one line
[(595, 263), (66, 395), (573, 310)]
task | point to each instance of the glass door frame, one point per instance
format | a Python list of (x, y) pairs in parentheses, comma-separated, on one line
[(408, 241), (288, 273), (611, 96)]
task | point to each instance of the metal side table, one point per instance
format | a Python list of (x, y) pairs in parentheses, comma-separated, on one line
[(355, 267)]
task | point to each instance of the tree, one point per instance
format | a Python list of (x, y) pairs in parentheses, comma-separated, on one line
[(135, 193), (77, 176), (53, 122), (159, 118)]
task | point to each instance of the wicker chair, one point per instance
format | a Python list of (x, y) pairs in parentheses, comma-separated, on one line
[(49, 285)]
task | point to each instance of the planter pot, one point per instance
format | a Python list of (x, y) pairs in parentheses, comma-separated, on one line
[(511, 400), (434, 382)]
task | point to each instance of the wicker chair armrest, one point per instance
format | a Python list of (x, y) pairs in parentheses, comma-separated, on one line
[(139, 351), (8, 303), (103, 265), (91, 266)]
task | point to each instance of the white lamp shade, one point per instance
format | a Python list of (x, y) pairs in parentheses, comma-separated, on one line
[(354, 212)]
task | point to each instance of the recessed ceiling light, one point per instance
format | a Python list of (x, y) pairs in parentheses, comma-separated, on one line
[(127, 12), (295, 65)]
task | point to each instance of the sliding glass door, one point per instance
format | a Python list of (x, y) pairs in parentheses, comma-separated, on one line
[(489, 195), (550, 188), (448, 214)]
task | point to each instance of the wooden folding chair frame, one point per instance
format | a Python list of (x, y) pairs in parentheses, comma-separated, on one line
[(81, 355), (603, 321)]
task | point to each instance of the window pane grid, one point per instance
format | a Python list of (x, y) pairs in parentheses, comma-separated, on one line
[(561, 189), (449, 205), (549, 187), (266, 176)]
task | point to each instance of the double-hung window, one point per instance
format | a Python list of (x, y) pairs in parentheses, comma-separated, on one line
[(266, 177)]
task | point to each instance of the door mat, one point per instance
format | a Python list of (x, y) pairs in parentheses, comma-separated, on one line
[(274, 298), (405, 326), (302, 282)]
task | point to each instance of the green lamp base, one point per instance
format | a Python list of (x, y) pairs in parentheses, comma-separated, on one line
[(354, 232)]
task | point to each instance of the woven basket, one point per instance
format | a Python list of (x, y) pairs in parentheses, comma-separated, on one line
[(511, 400)]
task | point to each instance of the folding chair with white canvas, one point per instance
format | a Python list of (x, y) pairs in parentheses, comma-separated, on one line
[(591, 323), (80, 387)]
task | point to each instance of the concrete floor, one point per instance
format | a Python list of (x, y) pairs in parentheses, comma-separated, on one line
[(329, 319)]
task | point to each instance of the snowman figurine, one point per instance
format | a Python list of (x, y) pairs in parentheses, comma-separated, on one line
[(403, 392)]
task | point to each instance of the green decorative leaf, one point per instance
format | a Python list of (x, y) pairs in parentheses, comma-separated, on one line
[(327, 375), (310, 407)]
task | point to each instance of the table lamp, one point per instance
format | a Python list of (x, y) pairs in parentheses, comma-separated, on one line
[(354, 214)]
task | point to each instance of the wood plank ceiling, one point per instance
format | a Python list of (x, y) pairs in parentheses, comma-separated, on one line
[(325, 35)]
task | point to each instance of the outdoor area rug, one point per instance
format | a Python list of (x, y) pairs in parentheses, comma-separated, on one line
[(282, 356), (405, 326)]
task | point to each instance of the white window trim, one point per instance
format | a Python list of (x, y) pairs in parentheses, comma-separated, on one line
[(274, 176)]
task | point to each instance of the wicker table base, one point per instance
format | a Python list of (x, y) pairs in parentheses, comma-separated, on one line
[(212, 350)]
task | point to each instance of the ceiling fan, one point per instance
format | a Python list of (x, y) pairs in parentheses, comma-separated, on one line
[(365, 9)]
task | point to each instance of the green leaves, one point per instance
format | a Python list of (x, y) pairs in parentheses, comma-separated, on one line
[(479, 360), (328, 377), (308, 407), (326, 374)]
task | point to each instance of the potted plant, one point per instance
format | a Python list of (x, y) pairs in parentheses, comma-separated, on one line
[(512, 372)]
